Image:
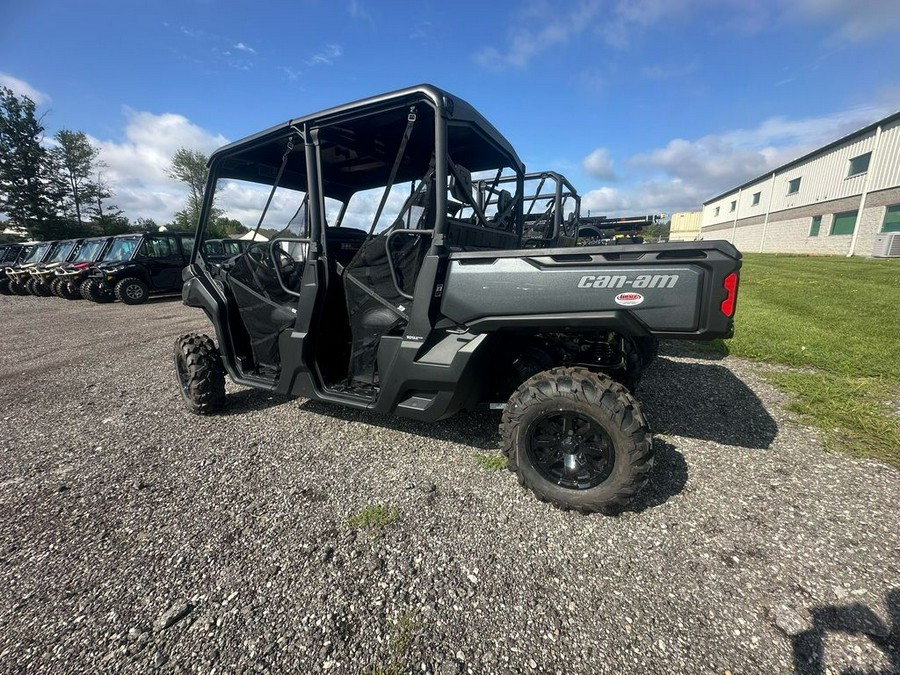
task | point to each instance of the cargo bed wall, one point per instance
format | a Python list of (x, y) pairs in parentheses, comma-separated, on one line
[(669, 290)]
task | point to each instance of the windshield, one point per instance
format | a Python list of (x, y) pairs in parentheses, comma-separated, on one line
[(89, 251), (62, 251), (121, 249), (37, 253)]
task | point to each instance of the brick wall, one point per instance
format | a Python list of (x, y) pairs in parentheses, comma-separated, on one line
[(788, 230)]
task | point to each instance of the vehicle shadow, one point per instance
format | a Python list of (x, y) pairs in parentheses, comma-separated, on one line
[(854, 619), (669, 476), (707, 351), (251, 400), (704, 401), (158, 299), (478, 428)]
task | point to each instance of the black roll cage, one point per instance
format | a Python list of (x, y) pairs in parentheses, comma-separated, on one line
[(242, 160)]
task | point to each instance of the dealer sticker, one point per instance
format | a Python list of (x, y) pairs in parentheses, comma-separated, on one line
[(629, 299)]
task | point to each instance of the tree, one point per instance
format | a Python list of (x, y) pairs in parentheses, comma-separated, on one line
[(23, 165), (145, 225), (189, 167), (76, 158)]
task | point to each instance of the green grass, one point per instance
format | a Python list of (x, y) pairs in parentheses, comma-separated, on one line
[(373, 518), (837, 322), (490, 461), (399, 643)]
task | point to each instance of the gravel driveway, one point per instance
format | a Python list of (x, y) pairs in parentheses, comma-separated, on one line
[(287, 535)]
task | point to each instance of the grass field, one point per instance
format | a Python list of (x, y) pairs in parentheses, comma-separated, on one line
[(837, 322)]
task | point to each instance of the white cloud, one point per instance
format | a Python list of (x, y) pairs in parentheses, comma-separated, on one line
[(137, 166), (240, 46), (326, 56), (681, 175), (858, 20), (553, 26), (544, 25), (22, 88), (599, 165), (357, 11)]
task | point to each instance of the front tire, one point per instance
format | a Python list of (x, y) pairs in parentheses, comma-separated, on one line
[(132, 291), (70, 290), (4, 287), (91, 290), (18, 288), (201, 375), (578, 440)]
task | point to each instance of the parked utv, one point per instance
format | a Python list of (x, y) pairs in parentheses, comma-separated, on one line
[(137, 266), (436, 307), (551, 208), (217, 251), (19, 275), (42, 274), (10, 255), (68, 278)]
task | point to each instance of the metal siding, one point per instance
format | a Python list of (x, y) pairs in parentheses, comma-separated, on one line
[(885, 166), (824, 177)]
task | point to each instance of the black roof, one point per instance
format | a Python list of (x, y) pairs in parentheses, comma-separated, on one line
[(466, 125)]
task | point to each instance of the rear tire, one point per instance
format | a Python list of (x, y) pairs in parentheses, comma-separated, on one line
[(578, 440), (132, 291), (201, 375)]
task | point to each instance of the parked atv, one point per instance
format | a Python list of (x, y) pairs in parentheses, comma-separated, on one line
[(10, 255), (20, 279), (69, 277), (43, 274), (137, 266), (437, 307)]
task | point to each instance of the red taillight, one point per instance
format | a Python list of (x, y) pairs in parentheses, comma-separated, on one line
[(730, 285)]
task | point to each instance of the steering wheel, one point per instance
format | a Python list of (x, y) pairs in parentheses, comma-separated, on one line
[(283, 260)]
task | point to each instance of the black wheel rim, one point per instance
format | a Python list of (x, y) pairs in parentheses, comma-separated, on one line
[(571, 450)]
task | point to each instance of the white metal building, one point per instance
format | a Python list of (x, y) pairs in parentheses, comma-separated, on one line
[(835, 200)]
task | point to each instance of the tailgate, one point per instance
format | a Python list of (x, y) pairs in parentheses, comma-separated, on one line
[(669, 290)]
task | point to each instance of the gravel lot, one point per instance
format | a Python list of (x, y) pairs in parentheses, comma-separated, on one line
[(135, 536)]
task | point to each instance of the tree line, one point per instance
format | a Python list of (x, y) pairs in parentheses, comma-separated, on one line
[(61, 192)]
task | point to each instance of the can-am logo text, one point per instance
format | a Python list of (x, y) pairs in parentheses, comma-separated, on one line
[(622, 281)]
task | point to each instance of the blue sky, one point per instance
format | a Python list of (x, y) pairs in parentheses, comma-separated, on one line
[(647, 106)]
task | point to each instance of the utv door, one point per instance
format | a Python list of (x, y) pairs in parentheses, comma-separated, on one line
[(163, 261)]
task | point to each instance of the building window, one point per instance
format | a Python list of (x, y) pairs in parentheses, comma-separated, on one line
[(844, 223), (756, 196), (859, 164), (717, 211), (814, 226), (733, 207), (793, 186), (891, 219)]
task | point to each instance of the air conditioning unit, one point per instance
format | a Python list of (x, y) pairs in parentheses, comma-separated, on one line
[(887, 245)]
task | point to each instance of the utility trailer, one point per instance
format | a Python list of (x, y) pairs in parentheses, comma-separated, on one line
[(395, 287)]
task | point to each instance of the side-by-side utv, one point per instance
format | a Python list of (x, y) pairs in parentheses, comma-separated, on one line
[(400, 283), (19, 275)]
